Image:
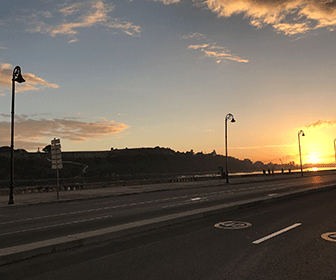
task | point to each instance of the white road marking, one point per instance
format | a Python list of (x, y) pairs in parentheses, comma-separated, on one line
[(276, 233), (188, 202), (102, 232), (216, 193), (272, 194), (195, 198)]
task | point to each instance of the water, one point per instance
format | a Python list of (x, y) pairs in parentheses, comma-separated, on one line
[(309, 169)]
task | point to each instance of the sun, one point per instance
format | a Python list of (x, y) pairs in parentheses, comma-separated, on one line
[(313, 157)]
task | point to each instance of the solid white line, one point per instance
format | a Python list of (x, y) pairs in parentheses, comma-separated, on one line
[(276, 233)]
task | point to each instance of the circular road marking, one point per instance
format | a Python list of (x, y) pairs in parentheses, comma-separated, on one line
[(329, 236), (233, 225)]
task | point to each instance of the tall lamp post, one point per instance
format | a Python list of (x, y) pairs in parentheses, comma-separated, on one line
[(335, 148), (299, 134), (229, 117), (17, 77)]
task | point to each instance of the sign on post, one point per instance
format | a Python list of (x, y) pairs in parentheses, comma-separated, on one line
[(56, 159)]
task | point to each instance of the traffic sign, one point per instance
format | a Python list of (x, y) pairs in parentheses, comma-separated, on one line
[(56, 159), (56, 154)]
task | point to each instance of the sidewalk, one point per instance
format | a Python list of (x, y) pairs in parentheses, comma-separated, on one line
[(112, 190)]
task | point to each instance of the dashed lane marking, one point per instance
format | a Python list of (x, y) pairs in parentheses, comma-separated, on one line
[(272, 194), (229, 191), (276, 233), (87, 211)]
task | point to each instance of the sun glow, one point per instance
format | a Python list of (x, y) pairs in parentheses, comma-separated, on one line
[(313, 157)]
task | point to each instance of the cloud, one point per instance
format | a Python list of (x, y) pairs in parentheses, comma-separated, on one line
[(35, 131), (32, 81), (286, 16), (321, 123), (168, 2), (71, 9), (264, 147), (193, 35), (80, 15), (219, 53), (210, 49), (73, 41)]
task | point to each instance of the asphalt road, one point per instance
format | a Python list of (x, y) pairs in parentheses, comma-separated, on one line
[(198, 250), (22, 225)]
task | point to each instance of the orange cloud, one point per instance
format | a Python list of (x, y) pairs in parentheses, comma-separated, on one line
[(84, 14), (288, 16), (218, 52), (32, 81), (34, 131), (321, 123)]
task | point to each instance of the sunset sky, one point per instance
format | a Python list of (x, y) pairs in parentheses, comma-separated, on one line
[(146, 73)]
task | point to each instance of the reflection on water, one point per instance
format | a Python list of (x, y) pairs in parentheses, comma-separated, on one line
[(314, 169), (310, 169)]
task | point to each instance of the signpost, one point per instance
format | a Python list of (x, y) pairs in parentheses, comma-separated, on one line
[(56, 159)]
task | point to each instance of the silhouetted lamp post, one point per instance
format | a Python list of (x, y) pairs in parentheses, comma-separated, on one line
[(17, 77), (335, 148), (299, 134), (229, 117)]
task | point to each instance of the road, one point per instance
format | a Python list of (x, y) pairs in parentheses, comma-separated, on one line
[(193, 250), (21, 225), (198, 250)]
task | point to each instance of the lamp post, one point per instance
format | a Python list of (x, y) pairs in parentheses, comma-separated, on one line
[(299, 134), (229, 117), (17, 77), (335, 148)]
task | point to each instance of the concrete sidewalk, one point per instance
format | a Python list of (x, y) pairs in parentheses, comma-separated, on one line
[(112, 190)]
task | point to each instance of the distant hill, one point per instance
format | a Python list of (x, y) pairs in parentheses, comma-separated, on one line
[(124, 163)]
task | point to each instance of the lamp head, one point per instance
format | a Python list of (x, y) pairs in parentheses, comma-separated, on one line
[(19, 79), (230, 117), (17, 76), (303, 134)]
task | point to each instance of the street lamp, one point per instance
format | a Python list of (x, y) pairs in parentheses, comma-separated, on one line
[(229, 117), (17, 77), (299, 134), (335, 148)]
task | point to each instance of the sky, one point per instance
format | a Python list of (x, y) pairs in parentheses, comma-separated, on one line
[(145, 73)]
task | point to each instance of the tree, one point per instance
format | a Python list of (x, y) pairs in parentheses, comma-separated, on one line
[(47, 149), (213, 153)]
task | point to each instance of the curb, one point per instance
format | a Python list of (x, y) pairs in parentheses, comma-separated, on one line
[(22, 252)]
